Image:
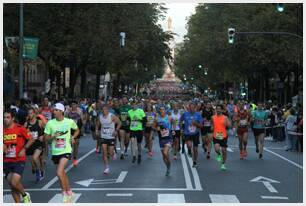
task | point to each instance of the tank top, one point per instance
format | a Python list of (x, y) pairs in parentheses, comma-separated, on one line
[(219, 127), (150, 118), (107, 126), (165, 127), (35, 130), (176, 119), (243, 118)]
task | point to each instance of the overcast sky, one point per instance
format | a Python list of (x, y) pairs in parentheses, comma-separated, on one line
[(178, 12)]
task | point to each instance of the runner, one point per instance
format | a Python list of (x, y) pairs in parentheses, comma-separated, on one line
[(193, 121), (106, 124), (163, 127), (76, 115), (124, 132), (176, 128), (138, 120), (150, 114), (36, 128), (243, 122), (59, 131), (206, 131), (220, 123), (259, 118), (16, 140)]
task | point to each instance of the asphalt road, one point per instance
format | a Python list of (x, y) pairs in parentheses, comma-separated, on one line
[(277, 178)]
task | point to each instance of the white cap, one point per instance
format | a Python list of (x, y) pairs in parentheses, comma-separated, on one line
[(59, 106)]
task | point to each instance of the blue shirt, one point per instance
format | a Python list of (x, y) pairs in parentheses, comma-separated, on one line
[(165, 126), (187, 117)]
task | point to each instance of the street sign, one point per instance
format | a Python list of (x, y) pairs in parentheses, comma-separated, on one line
[(30, 47)]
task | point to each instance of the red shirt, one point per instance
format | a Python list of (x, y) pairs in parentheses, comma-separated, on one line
[(15, 138)]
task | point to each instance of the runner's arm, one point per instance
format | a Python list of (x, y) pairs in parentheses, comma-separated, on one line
[(117, 121)]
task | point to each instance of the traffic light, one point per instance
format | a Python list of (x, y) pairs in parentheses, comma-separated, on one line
[(231, 34), (280, 7)]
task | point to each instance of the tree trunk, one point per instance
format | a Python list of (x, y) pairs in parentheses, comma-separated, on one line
[(97, 84), (84, 83)]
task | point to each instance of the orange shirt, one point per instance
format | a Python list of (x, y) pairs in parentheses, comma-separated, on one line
[(219, 125)]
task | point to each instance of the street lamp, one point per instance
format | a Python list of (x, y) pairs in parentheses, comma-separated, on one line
[(205, 71), (280, 7), (200, 66)]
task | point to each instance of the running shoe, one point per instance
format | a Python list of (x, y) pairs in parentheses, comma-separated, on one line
[(66, 198), (122, 156), (114, 157), (106, 171), (134, 159), (194, 164), (208, 155), (151, 154), (75, 162), (27, 198), (139, 159), (245, 154), (37, 174), (260, 156), (175, 157), (219, 157), (223, 168), (241, 155)]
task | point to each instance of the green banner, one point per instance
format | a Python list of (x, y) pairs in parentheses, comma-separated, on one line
[(30, 47)]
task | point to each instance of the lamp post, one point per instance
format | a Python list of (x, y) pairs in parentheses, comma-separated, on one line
[(205, 71), (21, 51)]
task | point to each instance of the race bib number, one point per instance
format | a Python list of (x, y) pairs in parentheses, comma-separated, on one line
[(207, 123), (60, 143), (107, 131), (164, 132), (243, 122), (192, 129), (259, 122), (123, 117), (150, 120), (134, 123), (11, 151), (34, 135), (219, 135)]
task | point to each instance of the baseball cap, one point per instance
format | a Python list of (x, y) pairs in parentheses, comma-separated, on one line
[(59, 106)]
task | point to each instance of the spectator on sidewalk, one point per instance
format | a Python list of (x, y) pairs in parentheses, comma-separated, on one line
[(291, 125)]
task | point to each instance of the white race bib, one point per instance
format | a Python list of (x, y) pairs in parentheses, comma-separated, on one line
[(164, 132), (134, 123), (192, 128), (243, 122), (219, 135), (207, 123), (60, 143), (11, 151), (107, 131), (34, 135)]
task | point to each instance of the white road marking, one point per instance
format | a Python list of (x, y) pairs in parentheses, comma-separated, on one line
[(263, 179), (223, 198), (51, 182), (284, 158), (186, 173), (58, 198), (8, 199), (274, 197), (88, 182), (270, 187), (195, 174), (121, 176), (108, 189), (119, 194), (171, 198)]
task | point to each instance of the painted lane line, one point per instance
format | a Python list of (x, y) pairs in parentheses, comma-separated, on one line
[(108, 180), (269, 187), (171, 198), (276, 148), (58, 198), (186, 173), (195, 174), (284, 158), (274, 197), (8, 199), (215, 198), (121, 177), (119, 194), (108, 189), (51, 182)]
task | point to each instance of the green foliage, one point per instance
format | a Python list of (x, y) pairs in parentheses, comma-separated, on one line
[(206, 42)]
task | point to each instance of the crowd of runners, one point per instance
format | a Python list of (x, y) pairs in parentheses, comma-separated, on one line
[(53, 129)]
